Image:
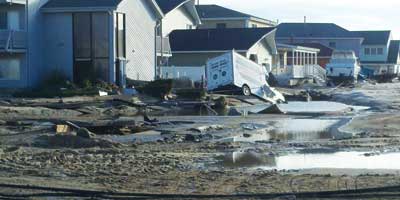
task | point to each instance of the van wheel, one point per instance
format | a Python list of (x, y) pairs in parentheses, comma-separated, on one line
[(246, 90)]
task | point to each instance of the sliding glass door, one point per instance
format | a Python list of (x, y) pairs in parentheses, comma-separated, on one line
[(91, 47)]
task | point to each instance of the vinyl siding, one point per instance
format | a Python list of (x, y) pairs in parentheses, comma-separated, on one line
[(341, 44), (58, 49), (379, 58), (209, 24), (140, 39), (176, 20)]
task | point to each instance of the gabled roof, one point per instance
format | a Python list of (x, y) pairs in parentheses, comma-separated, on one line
[(169, 5), (213, 11), (90, 5), (216, 39), (82, 3), (374, 37), (313, 30), (324, 51), (394, 51)]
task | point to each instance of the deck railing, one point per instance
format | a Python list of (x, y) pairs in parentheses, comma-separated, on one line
[(12, 41), (166, 47)]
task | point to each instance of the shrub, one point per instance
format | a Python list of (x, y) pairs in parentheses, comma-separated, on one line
[(192, 94), (157, 88)]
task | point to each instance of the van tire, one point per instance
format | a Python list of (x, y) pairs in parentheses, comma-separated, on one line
[(246, 91)]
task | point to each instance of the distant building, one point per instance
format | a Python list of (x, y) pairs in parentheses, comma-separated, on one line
[(379, 53), (178, 15), (215, 16), (327, 34), (195, 47)]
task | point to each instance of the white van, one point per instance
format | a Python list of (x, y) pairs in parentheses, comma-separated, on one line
[(233, 69), (343, 65)]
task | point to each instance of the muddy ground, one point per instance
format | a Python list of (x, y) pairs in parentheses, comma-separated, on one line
[(184, 154)]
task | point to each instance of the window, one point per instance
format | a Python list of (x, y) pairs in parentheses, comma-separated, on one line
[(221, 25), (254, 26), (373, 51), (120, 33), (10, 69), (332, 44), (254, 58), (3, 20), (380, 51), (367, 51)]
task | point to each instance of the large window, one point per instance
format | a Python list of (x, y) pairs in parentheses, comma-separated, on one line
[(120, 33), (221, 25), (3, 20), (367, 51), (380, 51), (373, 51), (10, 69), (91, 46)]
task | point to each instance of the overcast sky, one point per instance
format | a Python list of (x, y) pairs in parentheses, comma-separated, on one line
[(350, 14)]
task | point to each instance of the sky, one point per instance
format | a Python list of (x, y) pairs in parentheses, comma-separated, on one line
[(350, 14)]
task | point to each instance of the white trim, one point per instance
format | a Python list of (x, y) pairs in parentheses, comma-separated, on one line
[(316, 38)]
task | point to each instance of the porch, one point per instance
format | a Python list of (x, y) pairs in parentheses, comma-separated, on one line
[(297, 62)]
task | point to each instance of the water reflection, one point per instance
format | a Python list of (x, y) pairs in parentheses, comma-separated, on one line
[(337, 160)]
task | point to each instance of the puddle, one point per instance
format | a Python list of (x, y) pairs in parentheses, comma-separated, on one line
[(338, 160), (317, 107), (291, 130)]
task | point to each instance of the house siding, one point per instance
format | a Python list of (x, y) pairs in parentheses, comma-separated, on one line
[(192, 59), (58, 49), (209, 24), (140, 39), (176, 20), (341, 44), (379, 58)]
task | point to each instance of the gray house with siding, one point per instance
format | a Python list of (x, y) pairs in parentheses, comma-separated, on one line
[(85, 40), (328, 34), (379, 53), (195, 47)]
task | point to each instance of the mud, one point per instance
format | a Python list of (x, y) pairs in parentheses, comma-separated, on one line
[(293, 152)]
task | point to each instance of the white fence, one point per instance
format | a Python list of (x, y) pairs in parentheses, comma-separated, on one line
[(194, 73)]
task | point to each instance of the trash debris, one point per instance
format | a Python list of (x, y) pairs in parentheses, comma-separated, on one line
[(85, 133), (203, 129), (252, 126), (62, 129)]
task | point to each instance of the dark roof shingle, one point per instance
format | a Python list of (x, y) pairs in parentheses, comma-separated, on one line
[(168, 5), (216, 11), (394, 51), (374, 37), (81, 3), (313, 30), (216, 39)]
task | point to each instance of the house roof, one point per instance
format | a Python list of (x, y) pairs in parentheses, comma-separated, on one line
[(169, 5), (90, 5), (324, 51), (374, 37), (313, 30), (394, 51), (217, 39), (82, 3), (212, 11)]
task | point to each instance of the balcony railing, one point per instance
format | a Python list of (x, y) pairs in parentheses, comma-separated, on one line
[(12, 41), (166, 47)]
